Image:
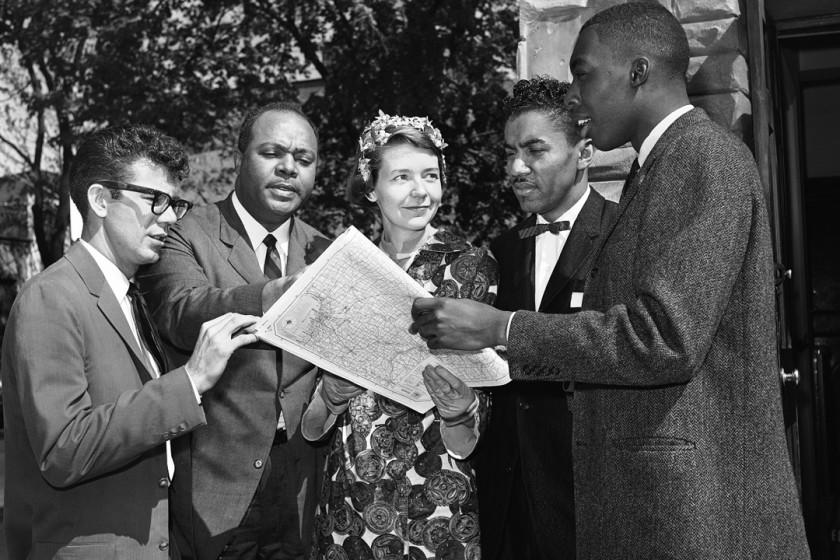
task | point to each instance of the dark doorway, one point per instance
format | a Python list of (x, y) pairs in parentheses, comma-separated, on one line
[(804, 61)]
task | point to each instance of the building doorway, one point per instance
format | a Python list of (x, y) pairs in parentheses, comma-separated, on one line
[(803, 57)]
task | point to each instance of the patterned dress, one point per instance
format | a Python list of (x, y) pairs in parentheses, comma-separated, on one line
[(391, 490)]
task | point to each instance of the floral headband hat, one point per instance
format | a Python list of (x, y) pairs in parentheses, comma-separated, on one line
[(383, 127)]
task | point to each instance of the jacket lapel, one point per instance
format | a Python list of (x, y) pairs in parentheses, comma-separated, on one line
[(574, 255), (241, 254), (632, 188), (108, 305), (523, 257), (297, 248)]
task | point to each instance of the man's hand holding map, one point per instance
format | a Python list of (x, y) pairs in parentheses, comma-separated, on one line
[(349, 314)]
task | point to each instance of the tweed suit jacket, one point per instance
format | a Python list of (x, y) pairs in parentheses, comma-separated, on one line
[(679, 446), (85, 423), (530, 423), (207, 268)]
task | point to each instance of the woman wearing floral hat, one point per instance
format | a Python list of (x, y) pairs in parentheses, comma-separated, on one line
[(397, 482)]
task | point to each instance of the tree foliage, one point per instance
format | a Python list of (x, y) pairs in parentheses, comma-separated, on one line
[(450, 61), (191, 67)]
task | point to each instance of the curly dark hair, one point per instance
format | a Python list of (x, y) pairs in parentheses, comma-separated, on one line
[(108, 153), (546, 95), (647, 28)]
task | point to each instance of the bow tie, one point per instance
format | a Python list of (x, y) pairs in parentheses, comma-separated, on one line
[(533, 231)]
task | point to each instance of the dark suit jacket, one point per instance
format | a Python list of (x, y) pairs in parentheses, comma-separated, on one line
[(679, 446), (530, 425), (85, 423), (208, 268)]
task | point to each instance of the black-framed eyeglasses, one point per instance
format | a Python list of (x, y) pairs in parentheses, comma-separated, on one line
[(160, 200)]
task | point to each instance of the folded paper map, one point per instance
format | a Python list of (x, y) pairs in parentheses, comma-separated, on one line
[(349, 314)]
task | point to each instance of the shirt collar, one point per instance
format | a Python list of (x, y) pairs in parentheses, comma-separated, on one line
[(571, 214), (255, 230), (113, 275), (659, 130)]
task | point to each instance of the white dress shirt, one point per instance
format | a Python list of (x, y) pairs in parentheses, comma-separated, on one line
[(658, 130), (548, 246), (118, 283), (256, 235)]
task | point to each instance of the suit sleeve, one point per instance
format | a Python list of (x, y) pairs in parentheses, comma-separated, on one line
[(75, 440), (693, 237), (179, 292)]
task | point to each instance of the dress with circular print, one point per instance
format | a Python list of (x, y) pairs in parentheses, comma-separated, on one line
[(391, 490)]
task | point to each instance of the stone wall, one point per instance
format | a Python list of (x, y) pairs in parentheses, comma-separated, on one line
[(718, 77)]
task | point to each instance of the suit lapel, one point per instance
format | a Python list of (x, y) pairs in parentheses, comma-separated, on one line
[(297, 248), (232, 234), (632, 188), (108, 305), (580, 242), (523, 277)]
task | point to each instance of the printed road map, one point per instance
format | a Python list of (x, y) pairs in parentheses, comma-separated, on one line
[(349, 314)]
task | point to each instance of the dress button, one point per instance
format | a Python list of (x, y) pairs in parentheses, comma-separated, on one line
[(164, 545), (163, 482), (258, 464)]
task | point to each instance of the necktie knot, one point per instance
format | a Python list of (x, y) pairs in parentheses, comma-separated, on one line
[(270, 241), (538, 229)]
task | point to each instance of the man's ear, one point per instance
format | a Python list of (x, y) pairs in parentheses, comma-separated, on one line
[(97, 197), (237, 161), (639, 71), (586, 152)]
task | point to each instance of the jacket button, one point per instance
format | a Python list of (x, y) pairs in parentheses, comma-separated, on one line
[(282, 394), (258, 464), (163, 482), (164, 545)]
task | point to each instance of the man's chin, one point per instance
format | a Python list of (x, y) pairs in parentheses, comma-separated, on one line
[(282, 208)]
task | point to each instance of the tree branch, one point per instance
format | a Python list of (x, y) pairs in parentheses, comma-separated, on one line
[(307, 47), (18, 151)]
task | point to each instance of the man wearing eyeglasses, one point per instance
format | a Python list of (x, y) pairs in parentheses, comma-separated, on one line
[(249, 483), (88, 411)]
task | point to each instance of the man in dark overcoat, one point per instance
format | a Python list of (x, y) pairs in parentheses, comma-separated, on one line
[(679, 445)]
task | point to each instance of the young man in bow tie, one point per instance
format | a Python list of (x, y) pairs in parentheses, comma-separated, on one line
[(524, 464)]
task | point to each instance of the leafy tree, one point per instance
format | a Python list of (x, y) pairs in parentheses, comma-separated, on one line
[(191, 67), (179, 65), (450, 61)]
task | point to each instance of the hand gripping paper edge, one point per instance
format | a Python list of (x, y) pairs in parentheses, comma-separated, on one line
[(297, 306)]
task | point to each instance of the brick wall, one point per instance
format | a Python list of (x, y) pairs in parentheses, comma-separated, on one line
[(718, 77)]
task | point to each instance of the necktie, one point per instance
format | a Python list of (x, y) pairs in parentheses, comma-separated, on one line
[(538, 229), (145, 329), (632, 174), (271, 268)]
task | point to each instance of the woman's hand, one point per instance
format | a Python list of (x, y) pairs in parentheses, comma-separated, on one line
[(451, 396), (336, 392)]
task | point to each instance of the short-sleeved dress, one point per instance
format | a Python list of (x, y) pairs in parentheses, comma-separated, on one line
[(392, 490)]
